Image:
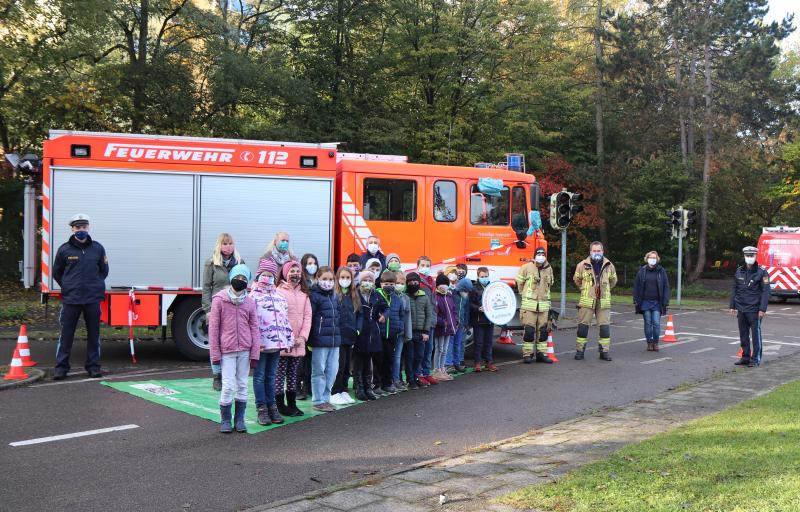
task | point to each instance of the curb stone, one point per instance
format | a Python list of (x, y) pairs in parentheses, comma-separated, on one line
[(35, 375), (470, 481)]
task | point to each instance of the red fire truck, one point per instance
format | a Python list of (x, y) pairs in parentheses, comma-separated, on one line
[(157, 204), (779, 252)]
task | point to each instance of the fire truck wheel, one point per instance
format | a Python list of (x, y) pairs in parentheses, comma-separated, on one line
[(190, 330)]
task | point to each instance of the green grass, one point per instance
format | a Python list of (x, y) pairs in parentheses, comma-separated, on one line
[(744, 459)]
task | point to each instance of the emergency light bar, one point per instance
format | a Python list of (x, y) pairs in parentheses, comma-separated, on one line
[(781, 229)]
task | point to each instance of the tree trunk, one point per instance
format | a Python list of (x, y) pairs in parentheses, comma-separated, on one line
[(598, 122), (139, 93), (681, 104), (690, 136), (707, 149)]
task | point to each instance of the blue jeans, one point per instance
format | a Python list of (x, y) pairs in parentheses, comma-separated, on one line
[(398, 355), (652, 324), (264, 378), (324, 367), (427, 354), (455, 349)]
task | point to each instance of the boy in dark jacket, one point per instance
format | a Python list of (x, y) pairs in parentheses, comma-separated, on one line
[(367, 349), (392, 321), (482, 327), (422, 319)]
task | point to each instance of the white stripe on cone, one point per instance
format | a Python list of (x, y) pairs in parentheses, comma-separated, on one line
[(24, 352)]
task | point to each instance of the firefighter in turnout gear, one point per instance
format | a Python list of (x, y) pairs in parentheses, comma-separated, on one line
[(533, 282), (749, 300), (595, 277)]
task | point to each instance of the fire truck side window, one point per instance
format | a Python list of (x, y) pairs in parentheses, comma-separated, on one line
[(519, 210), (445, 201), (390, 199), (486, 210)]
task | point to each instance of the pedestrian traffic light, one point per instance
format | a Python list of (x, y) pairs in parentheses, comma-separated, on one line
[(563, 209), (688, 220), (673, 222)]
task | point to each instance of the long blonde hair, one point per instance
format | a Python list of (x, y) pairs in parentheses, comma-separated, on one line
[(216, 254), (272, 247)]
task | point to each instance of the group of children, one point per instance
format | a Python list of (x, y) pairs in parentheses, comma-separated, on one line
[(388, 330)]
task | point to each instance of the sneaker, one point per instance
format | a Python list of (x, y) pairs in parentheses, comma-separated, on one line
[(320, 408), (59, 376), (432, 380), (422, 383), (378, 391), (389, 390), (460, 368), (443, 375), (337, 399), (477, 368), (491, 367), (94, 374), (263, 416), (330, 407), (399, 386), (413, 385), (450, 369)]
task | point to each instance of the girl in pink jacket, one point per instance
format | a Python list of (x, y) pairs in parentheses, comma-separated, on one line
[(293, 288), (234, 339)]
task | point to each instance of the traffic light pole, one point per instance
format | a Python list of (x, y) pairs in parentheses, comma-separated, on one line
[(680, 263), (563, 272)]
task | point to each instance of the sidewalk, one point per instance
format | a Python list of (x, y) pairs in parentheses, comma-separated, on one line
[(469, 482)]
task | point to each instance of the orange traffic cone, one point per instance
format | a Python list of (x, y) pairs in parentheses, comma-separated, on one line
[(551, 353), (16, 372), (669, 334), (505, 338), (740, 353), (24, 349)]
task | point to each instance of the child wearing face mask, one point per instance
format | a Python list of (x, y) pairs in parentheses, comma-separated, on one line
[(482, 327), (354, 264), (392, 322), (401, 347), (276, 335), (350, 324), (428, 285), (374, 265), (373, 251), (309, 265), (293, 288), (393, 262), (455, 352), (324, 339), (421, 316), (234, 342), (368, 345), (446, 325)]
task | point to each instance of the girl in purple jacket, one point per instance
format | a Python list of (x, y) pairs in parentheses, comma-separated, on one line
[(446, 326), (234, 339)]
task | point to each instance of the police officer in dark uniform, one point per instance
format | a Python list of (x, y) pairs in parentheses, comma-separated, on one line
[(80, 268), (751, 290)]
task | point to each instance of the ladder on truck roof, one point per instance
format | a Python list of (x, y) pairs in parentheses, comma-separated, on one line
[(781, 229), (54, 134)]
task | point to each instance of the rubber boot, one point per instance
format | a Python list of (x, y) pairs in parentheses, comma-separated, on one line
[(238, 416), (216, 382), (541, 357), (291, 404), (527, 359), (360, 394), (281, 404), (368, 390), (579, 355), (649, 346), (655, 346), (744, 361), (225, 419), (605, 356)]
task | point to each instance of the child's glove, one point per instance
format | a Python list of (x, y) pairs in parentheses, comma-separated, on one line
[(253, 364)]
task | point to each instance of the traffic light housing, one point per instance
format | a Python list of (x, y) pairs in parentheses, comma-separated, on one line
[(564, 206), (688, 220), (673, 222), (562, 209)]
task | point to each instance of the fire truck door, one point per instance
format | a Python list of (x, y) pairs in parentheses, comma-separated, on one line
[(445, 218)]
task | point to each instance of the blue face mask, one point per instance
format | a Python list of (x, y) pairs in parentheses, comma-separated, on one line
[(483, 280), (81, 235), (283, 246), (597, 257)]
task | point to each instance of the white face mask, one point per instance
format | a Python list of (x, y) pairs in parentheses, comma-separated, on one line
[(376, 273), (749, 259), (372, 248), (452, 276), (345, 283), (539, 259), (311, 269), (652, 262)]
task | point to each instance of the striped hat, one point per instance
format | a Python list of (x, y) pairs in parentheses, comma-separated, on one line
[(267, 265)]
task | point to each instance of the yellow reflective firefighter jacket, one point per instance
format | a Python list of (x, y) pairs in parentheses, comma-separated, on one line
[(590, 290), (534, 285)]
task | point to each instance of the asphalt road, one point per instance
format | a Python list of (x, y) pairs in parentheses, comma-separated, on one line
[(174, 461)]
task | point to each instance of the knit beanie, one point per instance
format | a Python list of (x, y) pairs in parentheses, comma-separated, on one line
[(442, 279), (372, 261), (239, 270), (412, 276), (267, 265), (288, 266), (392, 255)]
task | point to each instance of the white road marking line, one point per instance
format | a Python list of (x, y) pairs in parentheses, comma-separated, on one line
[(717, 330), (659, 360), (145, 373), (666, 344), (733, 338), (735, 343), (702, 350), (612, 344), (785, 309), (73, 435), (793, 337)]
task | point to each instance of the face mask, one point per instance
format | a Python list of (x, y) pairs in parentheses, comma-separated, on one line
[(399, 288), (539, 259), (345, 283), (652, 262), (452, 276), (376, 273), (598, 256), (424, 270), (311, 269), (266, 279), (326, 285), (461, 274), (372, 248), (387, 288), (294, 279), (355, 269), (238, 285), (366, 286), (483, 280), (81, 235), (394, 266), (442, 288), (283, 246), (749, 259), (413, 288)]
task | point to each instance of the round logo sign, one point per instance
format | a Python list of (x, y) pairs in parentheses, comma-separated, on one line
[(246, 156), (499, 303)]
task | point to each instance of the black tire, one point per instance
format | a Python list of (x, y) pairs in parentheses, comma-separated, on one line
[(189, 329)]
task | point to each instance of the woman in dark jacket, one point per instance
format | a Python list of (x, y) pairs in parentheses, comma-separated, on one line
[(368, 345), (324, 339), (350, 324), (651, 297)]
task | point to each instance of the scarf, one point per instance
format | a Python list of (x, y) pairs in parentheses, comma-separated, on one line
[(236, 299)]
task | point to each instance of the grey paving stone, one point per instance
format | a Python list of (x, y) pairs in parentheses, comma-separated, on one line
[(410, 491), (297, 506), (425, 475), (518, 478), (477, 469), (348, 499), (389, 505), (492, 456), (472, 484)]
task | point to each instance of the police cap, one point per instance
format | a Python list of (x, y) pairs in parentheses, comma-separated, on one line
[(750, 250), (79, 219)]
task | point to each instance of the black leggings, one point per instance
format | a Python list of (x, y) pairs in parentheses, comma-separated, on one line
[(343, 375)]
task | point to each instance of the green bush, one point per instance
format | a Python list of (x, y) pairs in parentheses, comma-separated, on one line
[(12, 312)]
